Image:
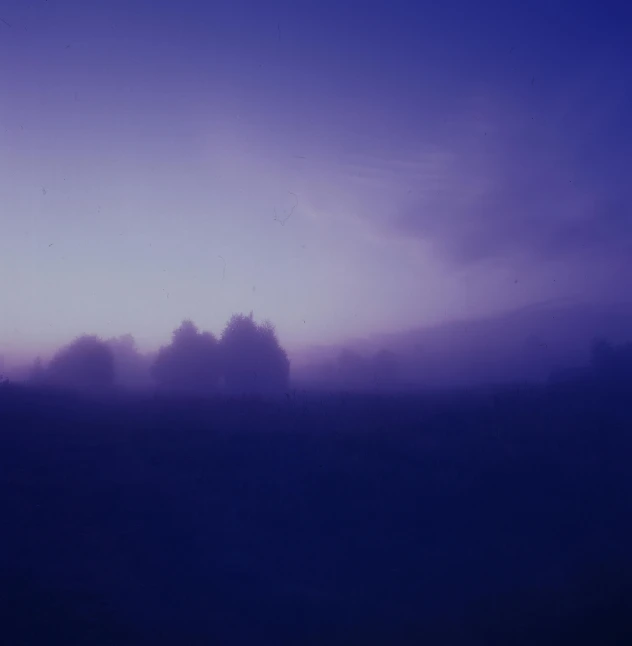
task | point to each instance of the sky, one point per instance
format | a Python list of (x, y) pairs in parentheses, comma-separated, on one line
[(340, 168)]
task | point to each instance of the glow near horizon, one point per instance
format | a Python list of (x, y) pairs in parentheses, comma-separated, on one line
[(142, 168)]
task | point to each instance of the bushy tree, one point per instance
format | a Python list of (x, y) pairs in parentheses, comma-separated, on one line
[(253, 361), (130, 366), (86, 363), (191, 363)]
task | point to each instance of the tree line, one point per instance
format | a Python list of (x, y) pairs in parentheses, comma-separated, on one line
[(246, 358)]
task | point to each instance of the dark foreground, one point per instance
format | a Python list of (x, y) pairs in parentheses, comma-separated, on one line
[(332, 520)]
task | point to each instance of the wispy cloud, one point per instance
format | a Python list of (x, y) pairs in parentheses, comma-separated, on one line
[(540, 183)]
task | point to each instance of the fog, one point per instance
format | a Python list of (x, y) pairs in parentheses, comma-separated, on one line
[(529, 345), (155, 171), (315, 322)]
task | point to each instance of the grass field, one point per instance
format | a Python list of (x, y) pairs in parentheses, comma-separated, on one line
[(465, 518)]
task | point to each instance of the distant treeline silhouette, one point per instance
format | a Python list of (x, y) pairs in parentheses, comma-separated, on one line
[(246, 359), (385, 370), (353, 371), (610, 365)]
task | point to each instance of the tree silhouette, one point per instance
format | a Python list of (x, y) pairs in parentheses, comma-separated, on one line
[(602, 355), (86, 363), (384, 366), (37, 372), (252, 359), (611, 363), (130, 366), (352, 369), (190, 363)]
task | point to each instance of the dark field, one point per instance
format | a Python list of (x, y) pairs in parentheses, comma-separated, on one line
[(481, 518)]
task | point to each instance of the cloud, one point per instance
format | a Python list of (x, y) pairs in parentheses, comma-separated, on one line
[(543, 183)]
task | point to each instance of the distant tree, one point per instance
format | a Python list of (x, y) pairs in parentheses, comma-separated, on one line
[(325, 373), (353, 370), (191, 363), (602, 355), (610, 362), (87, 363), (384, 365), (130, 366), (124, 344), (253, 361), (37, 372)]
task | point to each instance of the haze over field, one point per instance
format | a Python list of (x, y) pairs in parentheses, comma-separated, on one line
[(315, 323), (342, 169)]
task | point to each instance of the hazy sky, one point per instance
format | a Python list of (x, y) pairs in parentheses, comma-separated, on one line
[(340, 168)]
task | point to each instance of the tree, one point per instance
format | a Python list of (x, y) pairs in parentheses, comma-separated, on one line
[(37, 372), (253, 361), (352, 369), (85, 364), (385, 367), (130, 366), (611, 363), (602, 354), (190, 363)]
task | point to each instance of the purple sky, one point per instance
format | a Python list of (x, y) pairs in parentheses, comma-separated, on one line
[(337, 168)]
